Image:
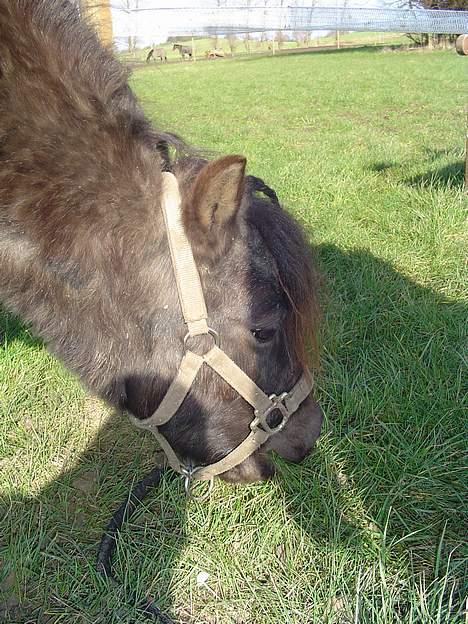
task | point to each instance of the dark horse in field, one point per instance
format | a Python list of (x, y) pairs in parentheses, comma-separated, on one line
[(84, 257), (183, 50)]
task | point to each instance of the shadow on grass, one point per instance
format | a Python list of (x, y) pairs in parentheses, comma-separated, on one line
[(391, 390), (12, 329), (450, 176), (381, 166), (51, 539), (314, 51)]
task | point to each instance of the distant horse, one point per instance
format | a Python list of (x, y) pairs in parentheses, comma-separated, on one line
[(183, 50), (158, 53), (214, 53)]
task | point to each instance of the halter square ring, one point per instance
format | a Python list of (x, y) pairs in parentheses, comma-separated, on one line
[(277, 403)]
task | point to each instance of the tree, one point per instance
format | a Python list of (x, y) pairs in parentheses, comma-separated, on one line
[(129, 5), (215, 37), (452, 5), (280, 38), (302, 39), (247, 39), (233, 42), (431, 39)]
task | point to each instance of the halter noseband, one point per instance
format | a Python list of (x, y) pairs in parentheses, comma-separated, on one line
[(195, 316)]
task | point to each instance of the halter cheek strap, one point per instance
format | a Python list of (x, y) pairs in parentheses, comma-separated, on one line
[(195, 316)]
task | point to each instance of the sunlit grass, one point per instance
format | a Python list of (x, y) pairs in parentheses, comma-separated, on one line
[(366, 149)]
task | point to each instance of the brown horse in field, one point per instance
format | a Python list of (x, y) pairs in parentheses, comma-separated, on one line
[(157, 53), (84, 253)]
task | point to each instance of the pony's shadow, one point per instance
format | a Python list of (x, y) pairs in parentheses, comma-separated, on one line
[(373, 314)]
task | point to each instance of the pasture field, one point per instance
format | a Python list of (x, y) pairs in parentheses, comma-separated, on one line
[(255, 46), (366, 149)]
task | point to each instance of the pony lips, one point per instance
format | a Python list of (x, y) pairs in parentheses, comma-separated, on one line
[(195, 315)]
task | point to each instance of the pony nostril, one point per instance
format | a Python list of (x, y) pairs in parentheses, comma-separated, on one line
[(301, 453)]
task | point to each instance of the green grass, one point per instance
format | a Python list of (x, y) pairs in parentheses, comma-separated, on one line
[(366, 149)]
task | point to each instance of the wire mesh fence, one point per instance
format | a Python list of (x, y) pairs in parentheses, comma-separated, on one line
[(378, 19), (199, 21)]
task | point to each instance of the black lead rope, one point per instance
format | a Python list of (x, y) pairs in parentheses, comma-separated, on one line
[(109, 539)]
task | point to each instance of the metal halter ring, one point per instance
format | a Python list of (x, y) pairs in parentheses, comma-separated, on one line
[(277, 403), (187, 474), (211, 332)]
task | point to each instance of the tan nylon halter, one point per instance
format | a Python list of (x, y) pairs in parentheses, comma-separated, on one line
[(195, 315)]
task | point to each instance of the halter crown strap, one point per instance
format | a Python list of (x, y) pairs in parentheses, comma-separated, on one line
[(186, 273), (195, 316)]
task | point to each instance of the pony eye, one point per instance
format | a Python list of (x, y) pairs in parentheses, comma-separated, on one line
[(263, 335)]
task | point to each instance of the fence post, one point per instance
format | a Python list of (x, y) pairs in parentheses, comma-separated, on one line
[(98, 12), (461, 47)]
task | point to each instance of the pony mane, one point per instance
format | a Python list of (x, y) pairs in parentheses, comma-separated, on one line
[(296, 272), (49, 38)]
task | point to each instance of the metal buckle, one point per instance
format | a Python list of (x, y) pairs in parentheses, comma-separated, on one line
[(187, 474), (211, 332), (277, 403)]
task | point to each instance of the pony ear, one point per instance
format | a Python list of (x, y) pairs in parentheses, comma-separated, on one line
[(210, 213)]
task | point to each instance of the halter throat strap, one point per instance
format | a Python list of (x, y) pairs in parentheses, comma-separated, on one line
[(195, 315)]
